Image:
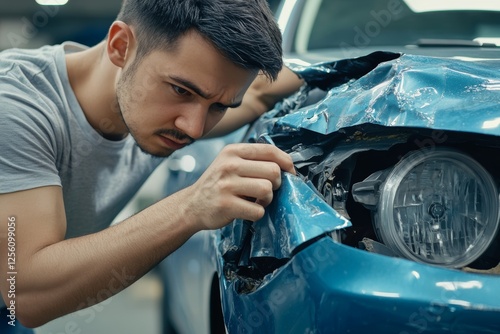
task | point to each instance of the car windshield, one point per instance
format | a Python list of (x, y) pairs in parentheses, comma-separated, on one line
[(353, 24)]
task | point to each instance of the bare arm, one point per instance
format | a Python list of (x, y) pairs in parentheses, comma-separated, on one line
[(57, 276), (260, 97)]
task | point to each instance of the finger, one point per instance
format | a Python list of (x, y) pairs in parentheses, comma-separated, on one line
[(263, 152), (265, 201), (266, 170), (248, 210), (259, 192), (254, 190)]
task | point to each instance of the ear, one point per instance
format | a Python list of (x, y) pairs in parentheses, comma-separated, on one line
[(120, 43)]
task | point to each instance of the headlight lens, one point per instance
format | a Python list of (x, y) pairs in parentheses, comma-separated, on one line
[(439, 207)]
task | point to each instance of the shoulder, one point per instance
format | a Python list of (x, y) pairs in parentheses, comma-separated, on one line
[(30, 61), (30, 86), (28, 72)]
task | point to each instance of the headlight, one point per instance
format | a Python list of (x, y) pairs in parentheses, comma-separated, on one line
[(437, 206)]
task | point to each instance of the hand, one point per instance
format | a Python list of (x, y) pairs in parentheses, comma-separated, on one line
[(238, 184)]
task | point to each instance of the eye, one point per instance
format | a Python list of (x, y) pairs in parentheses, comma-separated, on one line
[(180, 91)]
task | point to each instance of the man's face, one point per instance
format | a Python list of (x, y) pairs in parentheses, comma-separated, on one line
[(171, 98)]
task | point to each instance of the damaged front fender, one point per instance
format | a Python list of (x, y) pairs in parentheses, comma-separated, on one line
[(297, 216)]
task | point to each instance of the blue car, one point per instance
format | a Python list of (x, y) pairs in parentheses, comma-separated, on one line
[(391, 223)]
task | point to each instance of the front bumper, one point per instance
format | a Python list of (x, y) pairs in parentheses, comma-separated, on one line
[(332, 288)]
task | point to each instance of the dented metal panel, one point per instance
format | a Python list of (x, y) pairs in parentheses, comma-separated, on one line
[(409, 91), (332, 288), (297, 215), (287, 274)]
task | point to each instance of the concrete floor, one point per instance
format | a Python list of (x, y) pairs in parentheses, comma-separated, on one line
[(136, 310)]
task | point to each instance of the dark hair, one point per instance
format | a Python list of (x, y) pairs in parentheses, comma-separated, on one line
[(244, 31)]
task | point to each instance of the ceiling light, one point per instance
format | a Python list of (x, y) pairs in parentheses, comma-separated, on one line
[(419, 6), (51, 2)]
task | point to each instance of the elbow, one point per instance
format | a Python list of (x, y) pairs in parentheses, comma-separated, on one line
[(29, 313), (30, 322)]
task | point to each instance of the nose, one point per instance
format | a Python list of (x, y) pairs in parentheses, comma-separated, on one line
[(192, 121)]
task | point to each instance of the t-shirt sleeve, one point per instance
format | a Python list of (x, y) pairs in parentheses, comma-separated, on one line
[(27, 140)]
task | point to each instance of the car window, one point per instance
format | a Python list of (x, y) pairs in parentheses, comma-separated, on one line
[(345, 23)]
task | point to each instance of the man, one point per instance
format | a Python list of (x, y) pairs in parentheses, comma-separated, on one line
[(82, 128)]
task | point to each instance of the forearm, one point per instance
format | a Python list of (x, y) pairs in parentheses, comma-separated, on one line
[(77, 273), (57, 276)]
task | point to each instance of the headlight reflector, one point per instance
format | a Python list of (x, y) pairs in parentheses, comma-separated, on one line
[(438, 206)]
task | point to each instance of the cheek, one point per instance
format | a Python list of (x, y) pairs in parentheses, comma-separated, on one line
[(130, 100), (142, 87), (138, 95), (150, 105)]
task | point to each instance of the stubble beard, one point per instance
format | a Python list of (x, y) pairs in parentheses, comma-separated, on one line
[(123, 90)]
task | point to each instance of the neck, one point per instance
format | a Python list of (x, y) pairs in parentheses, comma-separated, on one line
[(92, 77)]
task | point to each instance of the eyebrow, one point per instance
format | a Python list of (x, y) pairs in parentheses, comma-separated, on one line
[(201, 93)]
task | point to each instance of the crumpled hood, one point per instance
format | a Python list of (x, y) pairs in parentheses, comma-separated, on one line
[(381, 89), (408, 91)]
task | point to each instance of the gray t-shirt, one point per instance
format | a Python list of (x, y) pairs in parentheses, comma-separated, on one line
[(45, 140)]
